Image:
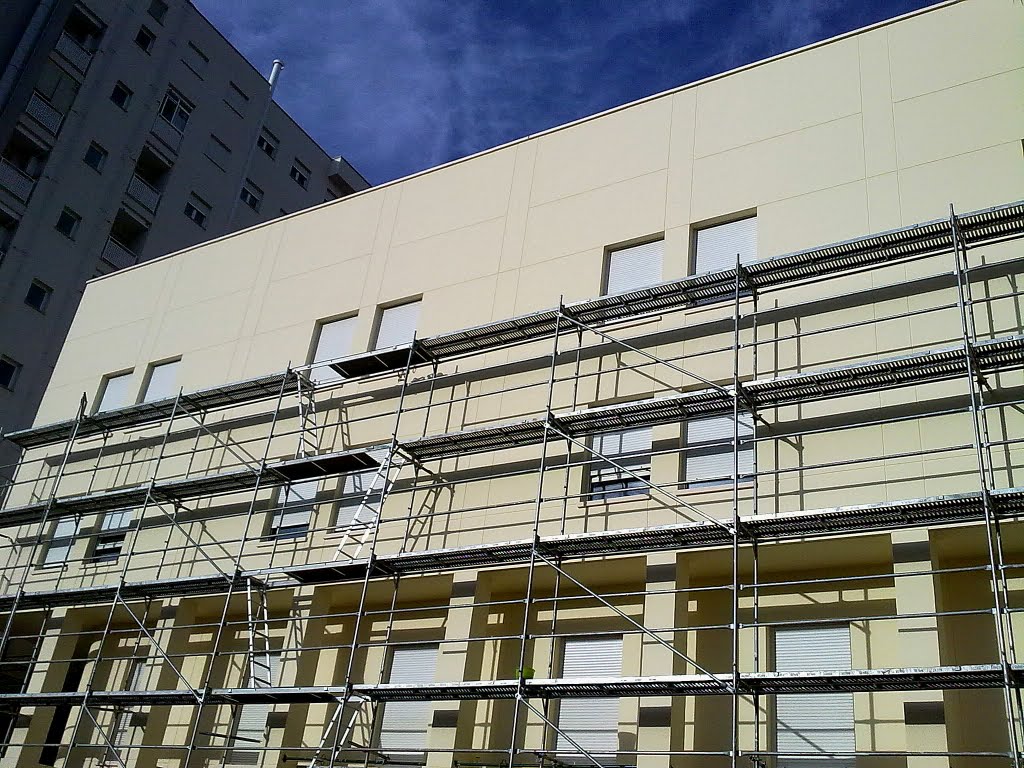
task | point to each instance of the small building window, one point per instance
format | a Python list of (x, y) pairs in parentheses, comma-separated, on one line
[(95, 157), (121, 95), (145, 38), (236, 99), (716, 248), (161, 382), (176, 110), (38, 295), (197, 209), (251, 195), (67, 223), (629, 269), (61, 541), (630, 474), (397, 325), (268, 142), (195, 59), (158, 10), (116, 392), (300, 174), (708, 455), (291, 520), (10, 369)]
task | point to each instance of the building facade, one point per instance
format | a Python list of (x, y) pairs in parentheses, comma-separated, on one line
[(684, 435), (128, 130)]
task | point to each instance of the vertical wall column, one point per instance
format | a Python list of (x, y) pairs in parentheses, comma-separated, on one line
[(923, 711), (654, 721)]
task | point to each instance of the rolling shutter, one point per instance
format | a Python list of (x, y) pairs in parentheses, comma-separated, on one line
[(591, 723), (817, 724), (404, 724), (397, 325), (717, 246), (251, 721), (115, 393), (631, 448), (334, 341), (708, 458), (61, 542), (162, 382), (636, 267)]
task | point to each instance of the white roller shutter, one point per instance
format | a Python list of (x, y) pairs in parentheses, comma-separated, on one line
[(404, 724), (116, 393), (636, 267), (334, 341), (397, 325), (591, 723), (297, 508), (817, 724), (251, 721), (61, 542), (717, 246), (162, 381), (708, 457)]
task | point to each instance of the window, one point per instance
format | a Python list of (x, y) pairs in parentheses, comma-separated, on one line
[(9, 371), (708, 454), (251, 195), (630, 449), (195, 59), (158, 10), (334, 340), (299, 174), (296, 501), (397, 325), (95, 157), (268, 142), (121, 95), (716, 247), (38, 295), (197, 209), (111, 537), (591, 723), (236, 99), (360, 499), (116, 393), (815, 724), (176, 110), (67, 223), (145, 38), (404, 723), (61, 541), (636, 267), (162, 381), (218, 152)]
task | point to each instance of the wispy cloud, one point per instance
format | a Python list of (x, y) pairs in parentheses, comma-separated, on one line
[(403, 85)]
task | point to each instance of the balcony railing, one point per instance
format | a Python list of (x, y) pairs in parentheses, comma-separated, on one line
[(73, 52), (16, 181), (145, 194), (118, 256), (167, 133), (45, 113)]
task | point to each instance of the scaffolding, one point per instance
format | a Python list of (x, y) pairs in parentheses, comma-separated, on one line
[(255, 576)]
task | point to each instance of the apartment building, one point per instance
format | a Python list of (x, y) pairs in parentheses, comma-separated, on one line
[(684, 435), (128, 130)]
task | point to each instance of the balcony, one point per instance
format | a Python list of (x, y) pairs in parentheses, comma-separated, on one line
[(44, 113), (76, 55), (167, 133), (117, 255), (143, 193), (16, 181)]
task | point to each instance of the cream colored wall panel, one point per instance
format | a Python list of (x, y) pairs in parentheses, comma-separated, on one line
[(629, 210), (971, 181), (680, 169), (312, 240), (965, 42), (827, 216), (623, 145), (463, 194), (876, 104), (794, 93), (809, 160), (446, 259), (972, 116)]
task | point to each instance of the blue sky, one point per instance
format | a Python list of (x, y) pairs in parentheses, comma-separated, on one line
[(401, 85)]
